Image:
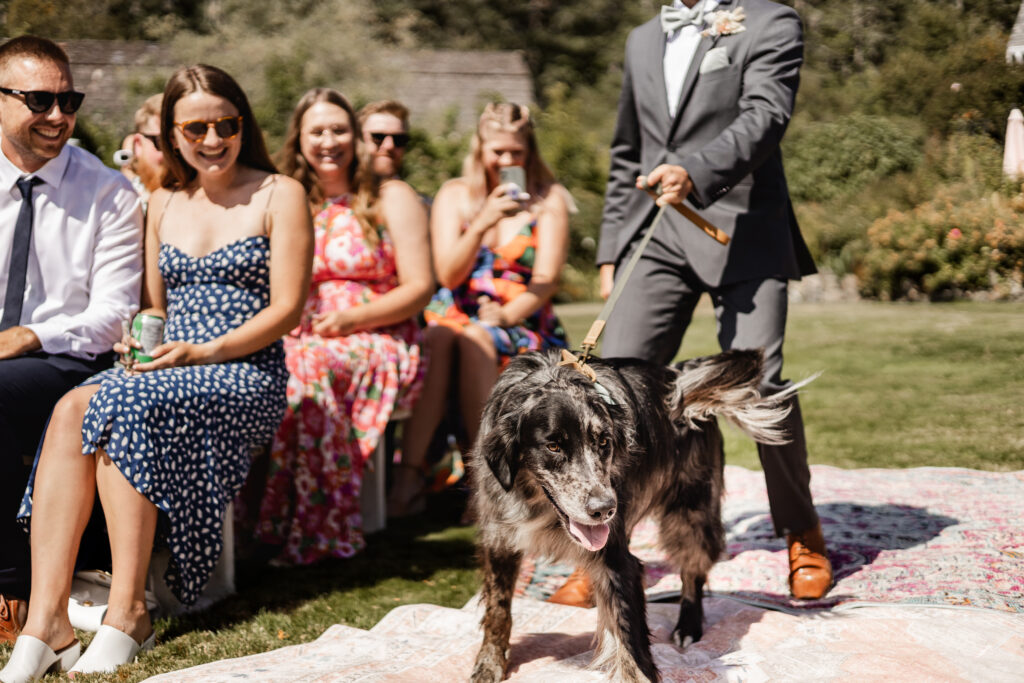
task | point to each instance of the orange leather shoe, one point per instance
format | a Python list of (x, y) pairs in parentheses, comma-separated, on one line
[(810, 572), (10, 621), (575, 592)]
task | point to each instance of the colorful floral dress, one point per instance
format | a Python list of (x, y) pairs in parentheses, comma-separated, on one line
[(501, 274), (341, 394)]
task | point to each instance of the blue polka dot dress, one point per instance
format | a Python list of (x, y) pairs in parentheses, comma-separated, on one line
[(183, 436)]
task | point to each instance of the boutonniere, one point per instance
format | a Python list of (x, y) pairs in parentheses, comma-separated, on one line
[(724, 23)]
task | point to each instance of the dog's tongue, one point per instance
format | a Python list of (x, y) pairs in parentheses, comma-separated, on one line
[(592, 536)]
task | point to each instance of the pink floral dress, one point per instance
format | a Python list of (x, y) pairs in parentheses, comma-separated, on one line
[(341, 394)]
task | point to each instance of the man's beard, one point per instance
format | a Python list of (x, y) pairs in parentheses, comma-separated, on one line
[(151, 176)]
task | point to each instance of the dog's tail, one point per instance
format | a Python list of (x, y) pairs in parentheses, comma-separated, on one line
[(726, 384)]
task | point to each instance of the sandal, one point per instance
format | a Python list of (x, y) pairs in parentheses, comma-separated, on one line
[(109, 649), (408, 494), (32, 659)]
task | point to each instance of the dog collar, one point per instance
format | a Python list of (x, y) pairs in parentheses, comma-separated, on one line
[(581, 367)]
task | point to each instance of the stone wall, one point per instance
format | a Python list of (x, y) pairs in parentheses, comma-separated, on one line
[(118, 75)]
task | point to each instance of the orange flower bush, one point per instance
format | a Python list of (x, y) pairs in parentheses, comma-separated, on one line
[(945, 249)]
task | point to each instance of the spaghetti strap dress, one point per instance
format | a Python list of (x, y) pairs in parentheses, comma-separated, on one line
[(342, 392), (183, 436), (501, 274)]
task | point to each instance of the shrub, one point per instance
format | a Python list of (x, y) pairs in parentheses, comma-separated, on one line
[(944, 249), (825, 160)]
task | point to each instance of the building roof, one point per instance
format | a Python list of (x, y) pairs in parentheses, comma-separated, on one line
[(118, 75)]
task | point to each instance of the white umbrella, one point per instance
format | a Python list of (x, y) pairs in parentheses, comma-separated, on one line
[(1013, 154)]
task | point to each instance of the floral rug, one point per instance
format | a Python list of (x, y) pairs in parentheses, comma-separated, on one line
[(431, 644), (934, 559), (923, 536)]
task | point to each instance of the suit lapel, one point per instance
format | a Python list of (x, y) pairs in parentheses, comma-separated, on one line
[(703, 46), (654, 48)]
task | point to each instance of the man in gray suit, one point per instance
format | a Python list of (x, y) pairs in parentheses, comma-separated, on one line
[(708, 89)]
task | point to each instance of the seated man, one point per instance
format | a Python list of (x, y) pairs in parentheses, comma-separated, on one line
[(70, 269), (385, 126), (147, 163)]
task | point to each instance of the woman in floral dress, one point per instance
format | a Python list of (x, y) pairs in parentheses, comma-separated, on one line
[(356, 356), (498, 253)]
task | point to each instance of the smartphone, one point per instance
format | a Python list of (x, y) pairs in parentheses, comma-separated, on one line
[(515, 175)]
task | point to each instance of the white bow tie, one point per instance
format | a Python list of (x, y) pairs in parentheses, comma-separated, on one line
[(674, 18)]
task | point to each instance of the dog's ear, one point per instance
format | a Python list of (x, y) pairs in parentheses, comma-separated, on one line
[(500, 449)]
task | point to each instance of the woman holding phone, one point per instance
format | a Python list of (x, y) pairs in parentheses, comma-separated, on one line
[(500, 236)]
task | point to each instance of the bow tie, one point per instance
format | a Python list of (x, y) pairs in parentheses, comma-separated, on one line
[(674, 18)]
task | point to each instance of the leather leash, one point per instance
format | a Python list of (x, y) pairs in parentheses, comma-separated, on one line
[(590, 341)]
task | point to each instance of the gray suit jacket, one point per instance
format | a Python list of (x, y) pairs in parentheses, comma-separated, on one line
[(726, 134)]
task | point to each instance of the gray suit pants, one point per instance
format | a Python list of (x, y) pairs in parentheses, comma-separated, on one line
[(649, 320)]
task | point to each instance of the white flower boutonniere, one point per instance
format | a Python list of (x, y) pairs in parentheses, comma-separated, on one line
[(724, 23)]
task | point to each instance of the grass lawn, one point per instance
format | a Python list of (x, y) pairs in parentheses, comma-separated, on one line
[(903, 385)]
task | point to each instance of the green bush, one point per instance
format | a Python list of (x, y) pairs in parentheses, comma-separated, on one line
[(828, 159), (946, 249)]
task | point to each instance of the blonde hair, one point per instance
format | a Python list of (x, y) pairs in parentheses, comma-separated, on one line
[(364, 185), (505, 117), (392, 107), (150, 109)]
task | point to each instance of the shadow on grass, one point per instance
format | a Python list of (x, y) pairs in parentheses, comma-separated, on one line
[(408, 550)]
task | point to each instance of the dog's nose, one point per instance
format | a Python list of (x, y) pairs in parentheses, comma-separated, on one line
[(601, 508)]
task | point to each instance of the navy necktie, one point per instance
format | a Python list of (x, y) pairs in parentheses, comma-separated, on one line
[(19, 256)]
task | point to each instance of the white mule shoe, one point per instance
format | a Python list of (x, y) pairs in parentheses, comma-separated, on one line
[(109, 649), (32, 659)]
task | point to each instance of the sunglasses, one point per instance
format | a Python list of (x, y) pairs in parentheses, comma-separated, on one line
[(226, 127), (155, 139), (400, 140), (41, 101)]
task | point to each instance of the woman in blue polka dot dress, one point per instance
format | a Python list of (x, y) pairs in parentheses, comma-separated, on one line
[(166, 443)]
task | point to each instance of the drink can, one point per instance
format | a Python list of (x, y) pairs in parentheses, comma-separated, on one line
[(149, 331)]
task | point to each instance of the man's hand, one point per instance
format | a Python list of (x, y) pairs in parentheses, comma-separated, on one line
[(17, 341), (606, 278), (675, 184)]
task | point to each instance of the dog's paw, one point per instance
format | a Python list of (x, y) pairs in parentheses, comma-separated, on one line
[(489, 667), (681, 640)]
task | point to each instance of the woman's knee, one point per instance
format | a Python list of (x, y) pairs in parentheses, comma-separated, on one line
[(440, 339), (476, 338), (70, 409)]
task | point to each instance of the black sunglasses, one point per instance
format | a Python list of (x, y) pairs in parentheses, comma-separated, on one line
[(400, 140), (226, 127), (41, 101), (155, 139)]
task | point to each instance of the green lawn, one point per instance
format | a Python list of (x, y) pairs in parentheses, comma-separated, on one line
[(902, 386)]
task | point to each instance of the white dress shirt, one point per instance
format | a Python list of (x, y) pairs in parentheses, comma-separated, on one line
[(680, 46), (85, 260)]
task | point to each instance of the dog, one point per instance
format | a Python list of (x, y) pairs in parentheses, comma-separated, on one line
[(566, 464)]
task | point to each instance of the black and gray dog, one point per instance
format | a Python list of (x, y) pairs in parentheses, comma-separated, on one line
[(572, 464)]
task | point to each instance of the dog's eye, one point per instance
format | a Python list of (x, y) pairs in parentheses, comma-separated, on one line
[(554, 448), (604, 442)]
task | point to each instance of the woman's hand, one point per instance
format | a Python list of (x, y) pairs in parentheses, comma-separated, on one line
[(334, 323), (490, 312), (176, 354), (498, 205), (124, 348)]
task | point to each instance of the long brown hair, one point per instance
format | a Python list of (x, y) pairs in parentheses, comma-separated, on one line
[(510, 118), (208, 79), (363, 184)]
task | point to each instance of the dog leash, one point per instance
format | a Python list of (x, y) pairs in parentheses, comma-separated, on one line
[(597, 328)]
